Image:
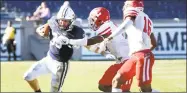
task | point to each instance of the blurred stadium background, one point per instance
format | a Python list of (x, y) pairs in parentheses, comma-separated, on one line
[(169, 18)]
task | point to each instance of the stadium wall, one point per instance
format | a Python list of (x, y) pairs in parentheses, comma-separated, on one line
[(170, 36)]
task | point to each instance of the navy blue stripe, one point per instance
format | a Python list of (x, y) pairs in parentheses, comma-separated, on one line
[(61, 76), (64, 73), (65, 12)]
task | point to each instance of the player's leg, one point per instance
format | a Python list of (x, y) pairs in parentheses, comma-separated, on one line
[(14, 50), (123, 76), (36, 70), (125, 87), (105, 83), (9, 49), (59, 71), (144, 71)]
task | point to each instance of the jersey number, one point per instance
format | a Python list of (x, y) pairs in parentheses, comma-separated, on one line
[(147, 26)]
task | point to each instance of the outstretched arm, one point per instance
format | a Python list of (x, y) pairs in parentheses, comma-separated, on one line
[(102, 51), (87, 42)]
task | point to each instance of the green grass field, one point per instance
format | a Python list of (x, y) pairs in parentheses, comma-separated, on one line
[(168, 76)]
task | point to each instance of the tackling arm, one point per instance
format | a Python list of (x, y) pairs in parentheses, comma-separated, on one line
[(87, 42), (102, 51)]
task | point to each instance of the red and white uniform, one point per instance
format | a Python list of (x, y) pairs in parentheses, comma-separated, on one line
[(142, 59), (139, 38), (118, 47)]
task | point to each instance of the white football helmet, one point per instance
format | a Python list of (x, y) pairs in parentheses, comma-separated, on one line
[(66, 14)]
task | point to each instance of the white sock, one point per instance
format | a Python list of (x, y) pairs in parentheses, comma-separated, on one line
[(153, 90), (116, 90)]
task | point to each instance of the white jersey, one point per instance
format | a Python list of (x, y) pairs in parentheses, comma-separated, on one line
[(118, 46), (139, 38)]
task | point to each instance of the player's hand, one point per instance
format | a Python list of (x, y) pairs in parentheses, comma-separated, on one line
[(63, 40), (108, 39), (110, 56), (59, 41), (40, 31)]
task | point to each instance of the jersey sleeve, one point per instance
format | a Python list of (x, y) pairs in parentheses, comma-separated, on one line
[(105, 29), (80, 33), (130, 13)]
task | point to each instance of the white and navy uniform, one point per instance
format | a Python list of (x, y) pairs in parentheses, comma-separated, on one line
[(56, 61)]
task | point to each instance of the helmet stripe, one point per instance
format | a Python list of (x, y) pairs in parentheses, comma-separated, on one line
[(65, 12)]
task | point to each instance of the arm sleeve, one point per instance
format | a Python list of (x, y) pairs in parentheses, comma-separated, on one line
[(87, 42), (125, 24), (79, 42)]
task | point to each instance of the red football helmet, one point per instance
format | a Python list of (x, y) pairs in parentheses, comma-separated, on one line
[(97, 17), (134, 4)]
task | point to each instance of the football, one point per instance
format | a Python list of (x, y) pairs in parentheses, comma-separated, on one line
[(43, 30)]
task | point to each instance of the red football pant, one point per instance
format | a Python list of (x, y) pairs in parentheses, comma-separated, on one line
[(109, 75), (140, 64)]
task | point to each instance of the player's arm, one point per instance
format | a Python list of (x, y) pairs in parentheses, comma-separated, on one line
[(87, 42), (97, 48), (102, 51), (97, 39), (126, 23), (93, 48), (43, 30), (153, 41)]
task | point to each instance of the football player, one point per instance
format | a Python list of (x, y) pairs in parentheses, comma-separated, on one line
[(139, 29), (99, 21), (57, 60)]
